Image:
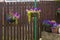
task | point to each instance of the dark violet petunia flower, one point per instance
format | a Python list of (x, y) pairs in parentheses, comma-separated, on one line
[(46, 23)]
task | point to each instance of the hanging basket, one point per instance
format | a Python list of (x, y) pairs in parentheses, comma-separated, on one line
[(12, 18)]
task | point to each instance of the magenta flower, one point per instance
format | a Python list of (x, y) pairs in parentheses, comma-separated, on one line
[(16, 15)]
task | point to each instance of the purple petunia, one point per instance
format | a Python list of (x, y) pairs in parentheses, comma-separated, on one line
[(16, 15)]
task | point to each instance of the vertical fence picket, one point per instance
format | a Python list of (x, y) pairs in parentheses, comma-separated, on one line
[(28, 28), (20, 21), (3, 24), (9, 26), (17, 22), (12, 26), (22, 27), (7, 12), (27, 23), (9, 33), (6, 23), (20, 7), (32, 27), (23, 23)]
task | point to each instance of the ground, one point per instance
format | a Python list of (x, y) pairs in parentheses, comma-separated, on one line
[(50, 36)]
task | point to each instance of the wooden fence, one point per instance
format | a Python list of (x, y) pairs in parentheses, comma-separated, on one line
[(23, 30)]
